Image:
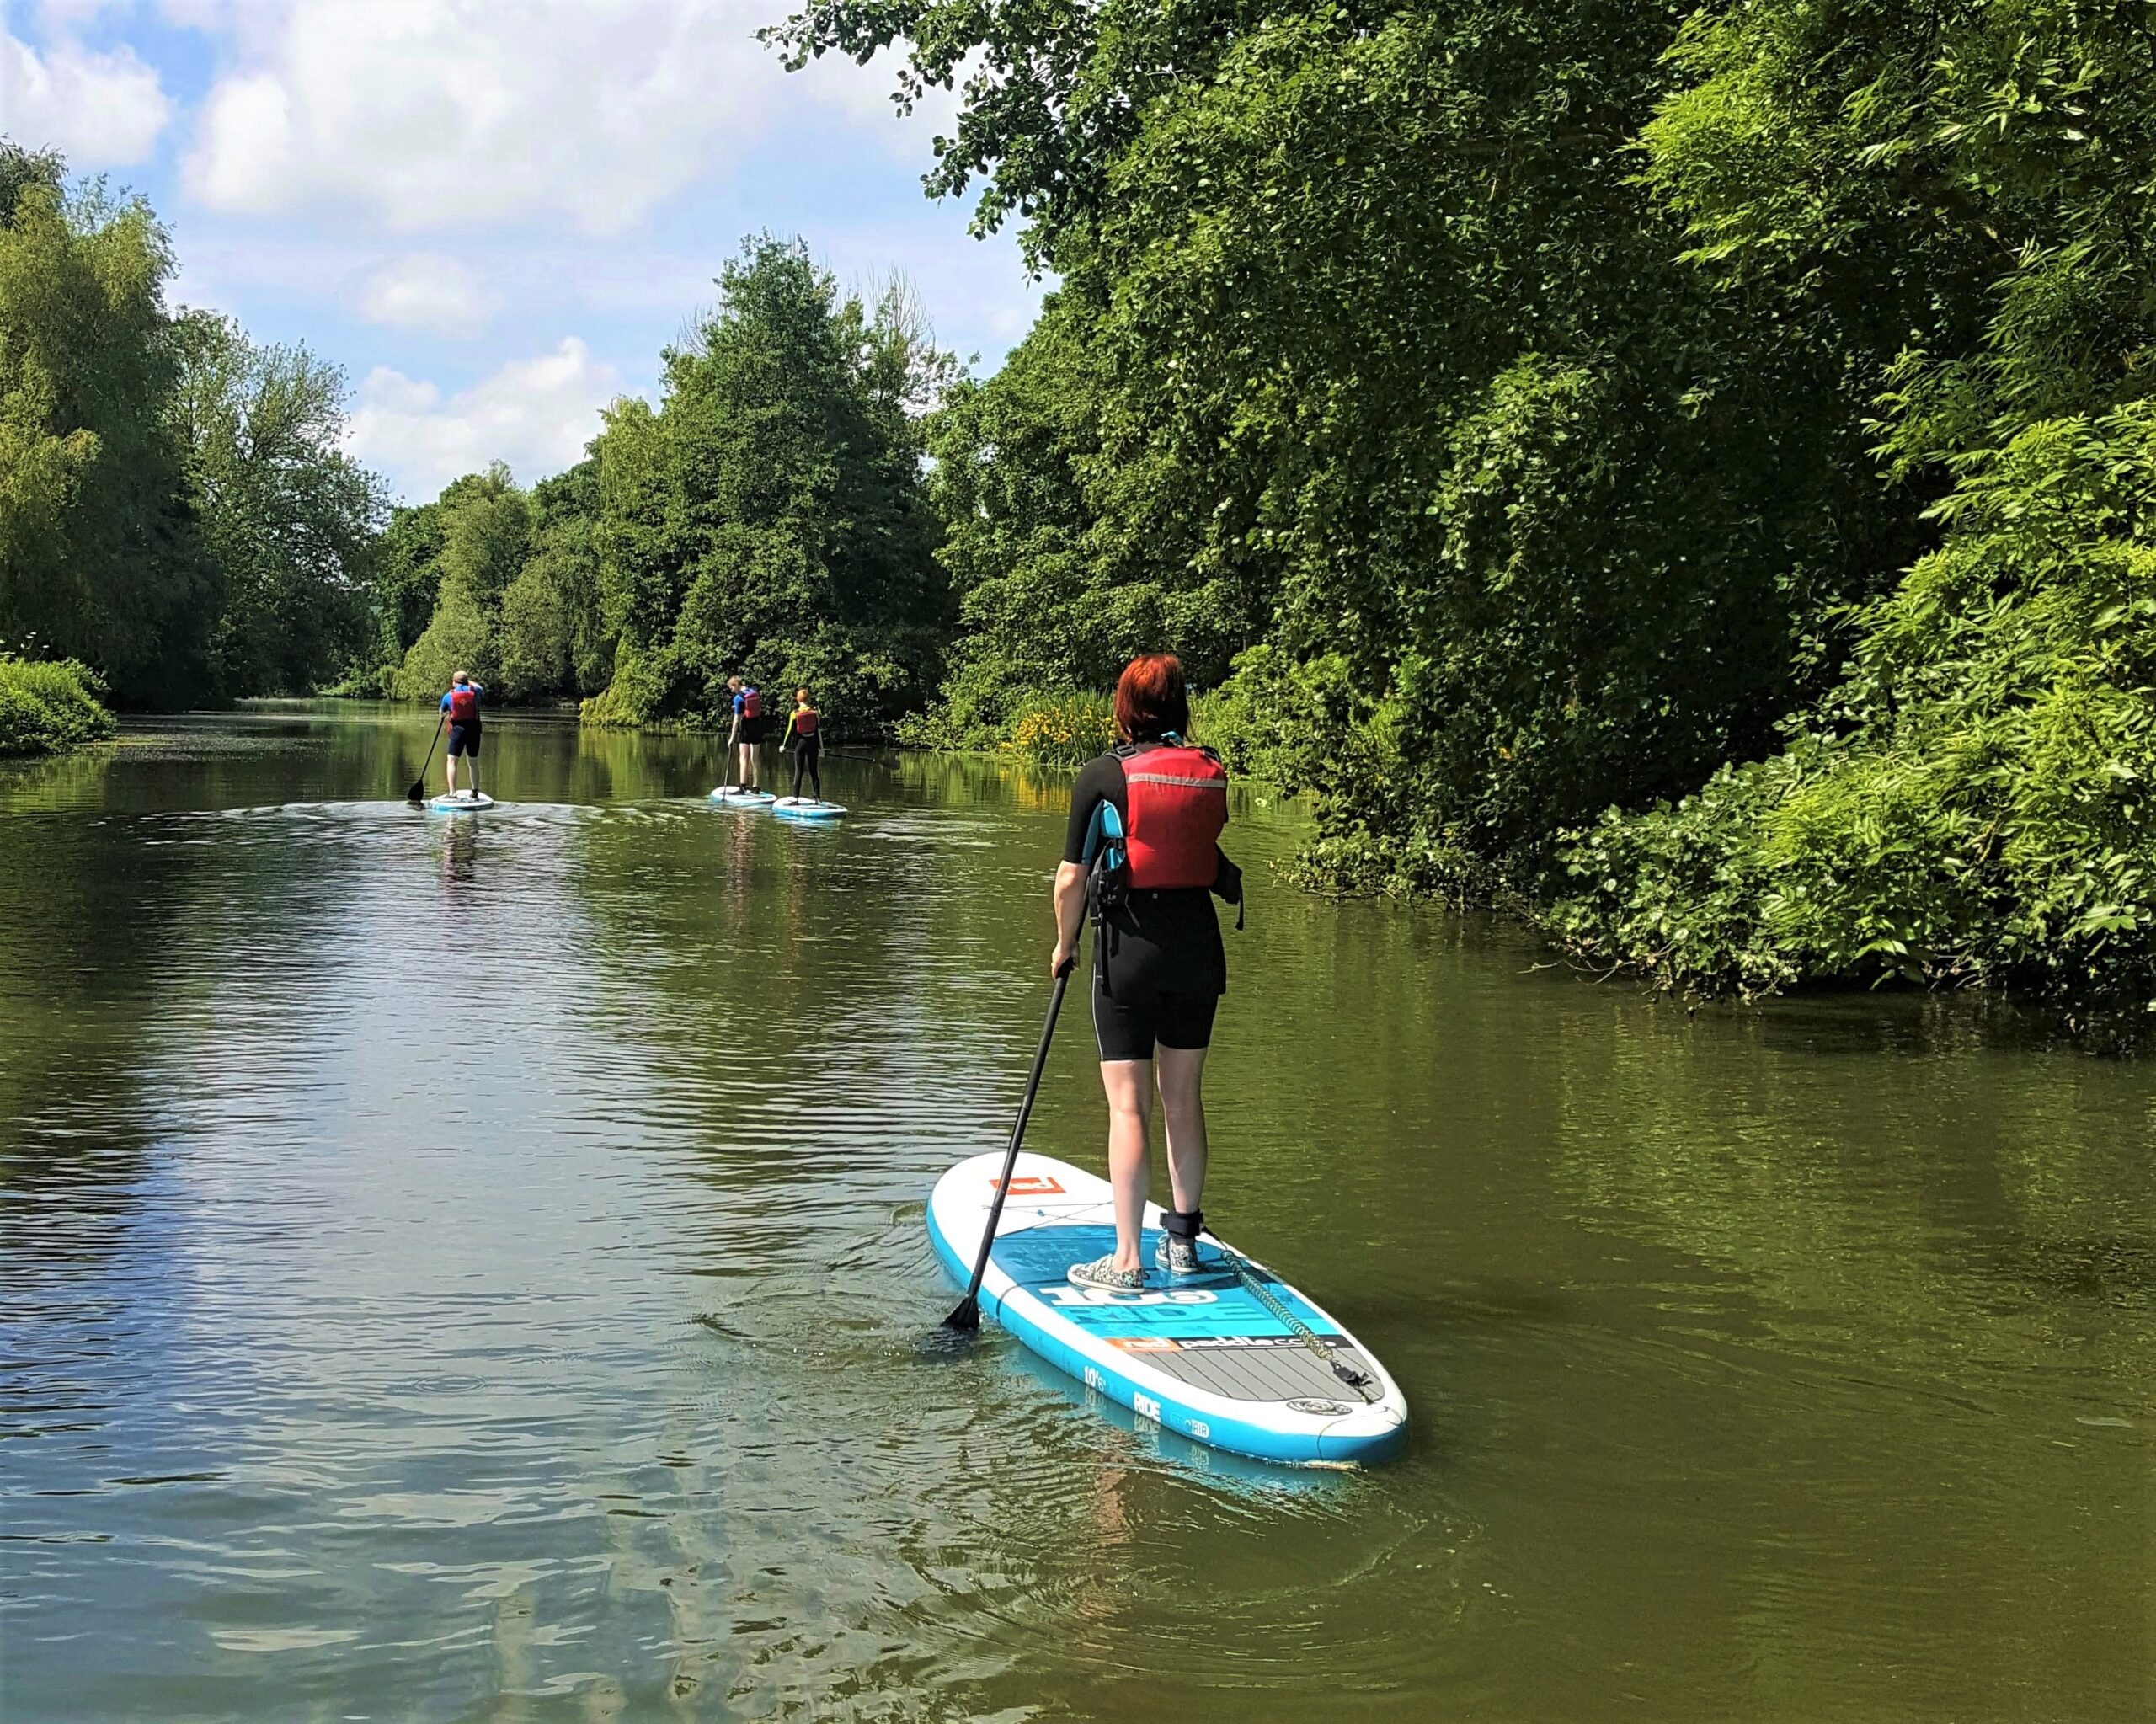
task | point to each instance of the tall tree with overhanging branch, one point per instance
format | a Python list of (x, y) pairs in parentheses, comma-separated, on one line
[(770, 517), (100, 559)]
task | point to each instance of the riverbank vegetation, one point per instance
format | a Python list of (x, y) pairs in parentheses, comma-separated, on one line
[(174, 508), (48, 705), (769, 517), (1682, 472)]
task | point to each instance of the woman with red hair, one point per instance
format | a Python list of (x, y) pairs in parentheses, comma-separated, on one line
[(1143, 848)]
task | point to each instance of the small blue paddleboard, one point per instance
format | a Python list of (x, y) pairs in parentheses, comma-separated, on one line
[(459, 804), (805, 808), (1203, 1355), (733, 796)]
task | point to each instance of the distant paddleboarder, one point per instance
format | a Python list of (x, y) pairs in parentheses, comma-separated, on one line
[(1159, 968), (460, 708), (746, 735), (804, 736)]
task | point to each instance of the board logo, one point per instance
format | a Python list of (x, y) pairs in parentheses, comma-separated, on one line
[(1032, 1185), (1145, 1343), (1323, 1409), (1145, 1407)]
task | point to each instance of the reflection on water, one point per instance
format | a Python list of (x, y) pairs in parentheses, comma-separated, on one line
[(474, 1267)]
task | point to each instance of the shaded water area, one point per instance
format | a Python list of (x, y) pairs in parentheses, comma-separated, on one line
[(475, 1269)]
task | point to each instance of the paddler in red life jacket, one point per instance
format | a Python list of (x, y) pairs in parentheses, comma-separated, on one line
[(804, 736), (746, 734), (461, 707), (1159, 968)]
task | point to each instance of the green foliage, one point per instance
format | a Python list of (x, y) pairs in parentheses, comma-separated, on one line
[(47, 706), (99, 556), (486, 534), (1056, 591), (1971, 805), (769, 519), (1066, 731), (1974, 804), (290, 522), (1373, 352)]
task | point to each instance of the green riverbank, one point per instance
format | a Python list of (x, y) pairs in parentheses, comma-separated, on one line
[(49, 708)]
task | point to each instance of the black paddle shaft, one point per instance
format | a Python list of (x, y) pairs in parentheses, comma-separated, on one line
[(419, 790), (967, 1315)]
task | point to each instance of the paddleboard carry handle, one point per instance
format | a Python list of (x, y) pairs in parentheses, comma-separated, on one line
[(968, 1314)]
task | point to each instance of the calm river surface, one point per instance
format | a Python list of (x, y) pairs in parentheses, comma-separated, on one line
[(475, 1270)]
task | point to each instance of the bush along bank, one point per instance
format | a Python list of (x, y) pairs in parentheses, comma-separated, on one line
[(47, 707)]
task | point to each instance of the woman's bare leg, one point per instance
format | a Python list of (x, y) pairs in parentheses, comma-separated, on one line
[(1182, 1111), (1129, 1086)]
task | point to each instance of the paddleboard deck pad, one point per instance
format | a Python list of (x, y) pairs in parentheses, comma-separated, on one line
[(739, 798), (1203, 1355), (787, 807), (459, 804)]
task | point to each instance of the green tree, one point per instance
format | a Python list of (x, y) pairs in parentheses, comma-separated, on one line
[(769, 518), (100, 559), (1971, 804), (1389, 366), (553, 639), (289, 521), (486, 533), (407, 582)]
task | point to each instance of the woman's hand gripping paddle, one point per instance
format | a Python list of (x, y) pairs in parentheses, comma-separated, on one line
[(417, 794), (967, 1317)]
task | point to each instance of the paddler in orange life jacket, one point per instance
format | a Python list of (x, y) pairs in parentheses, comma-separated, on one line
[(804, 736), (461, 709), (1158, 805)]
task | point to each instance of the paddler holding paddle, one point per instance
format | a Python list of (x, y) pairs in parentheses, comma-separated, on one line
[(1142, 850), (461, 709)]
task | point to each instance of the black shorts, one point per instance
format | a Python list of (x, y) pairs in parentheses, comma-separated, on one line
[(464, 740), (1126, 1026), (752, 733)]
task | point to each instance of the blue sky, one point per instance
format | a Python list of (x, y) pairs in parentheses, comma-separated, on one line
[(492, 213)]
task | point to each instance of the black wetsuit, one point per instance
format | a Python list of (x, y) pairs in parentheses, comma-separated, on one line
[(808, 746)]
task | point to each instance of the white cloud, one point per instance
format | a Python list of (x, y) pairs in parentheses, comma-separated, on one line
[(101, 109), (435, 114), (427, 291), (537, 414)]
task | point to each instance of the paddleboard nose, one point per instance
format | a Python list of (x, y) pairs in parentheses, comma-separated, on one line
[(1365, 1435)]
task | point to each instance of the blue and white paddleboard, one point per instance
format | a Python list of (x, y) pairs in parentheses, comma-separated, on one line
[(459, 804), (1199, 1354), (735, 796), (806, 808)]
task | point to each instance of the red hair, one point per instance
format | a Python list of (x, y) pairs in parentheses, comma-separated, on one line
[(1150, 699)]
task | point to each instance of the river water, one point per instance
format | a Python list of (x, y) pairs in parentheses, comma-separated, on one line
[(475, 1269)]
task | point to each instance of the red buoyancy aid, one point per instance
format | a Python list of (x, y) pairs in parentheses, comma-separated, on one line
[(463, 705), (1178, 798), (752, 704)]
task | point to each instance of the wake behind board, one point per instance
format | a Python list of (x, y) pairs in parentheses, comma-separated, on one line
[(1199, 1354), (733, 796), (805, 808), (459, 804)]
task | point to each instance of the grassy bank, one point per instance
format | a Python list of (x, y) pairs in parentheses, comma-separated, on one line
[(47, 708)]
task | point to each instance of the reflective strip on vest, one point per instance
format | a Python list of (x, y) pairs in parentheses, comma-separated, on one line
[(1175, 817)]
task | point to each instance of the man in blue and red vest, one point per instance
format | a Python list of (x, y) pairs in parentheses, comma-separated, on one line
[(461, 707)]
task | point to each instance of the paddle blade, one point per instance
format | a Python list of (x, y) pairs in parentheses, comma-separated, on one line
[(417, 794), (967, 1317)]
